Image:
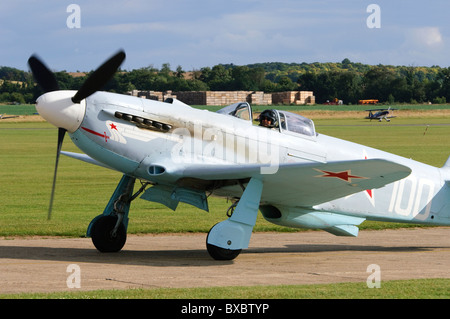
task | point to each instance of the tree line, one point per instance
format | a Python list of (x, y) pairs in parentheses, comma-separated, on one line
[(347, 81)]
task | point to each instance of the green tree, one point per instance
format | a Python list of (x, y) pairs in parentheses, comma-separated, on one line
[(348, 86), (180, 73), (220, 78), (17, 97), (286, 84), (378, 83), (165, 70), (444, 80)]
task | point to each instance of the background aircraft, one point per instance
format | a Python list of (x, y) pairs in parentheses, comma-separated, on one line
[(381, 114), (295, 176), (3, 117)]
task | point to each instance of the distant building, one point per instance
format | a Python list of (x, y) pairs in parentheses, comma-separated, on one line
[(230, 97)]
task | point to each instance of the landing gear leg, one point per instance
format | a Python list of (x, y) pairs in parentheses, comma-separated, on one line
[(226, 239), (109, 230)]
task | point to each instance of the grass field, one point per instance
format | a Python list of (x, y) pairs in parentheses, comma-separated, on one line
[(21, 109), (27, 154), (29, 109), (395, 289)]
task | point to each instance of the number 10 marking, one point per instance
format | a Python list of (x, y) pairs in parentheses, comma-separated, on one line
[(410, 196)]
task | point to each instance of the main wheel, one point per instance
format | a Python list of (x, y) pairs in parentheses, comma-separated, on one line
[(219, 253), (103, 238)]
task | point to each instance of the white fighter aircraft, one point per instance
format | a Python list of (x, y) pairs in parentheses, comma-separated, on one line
[(295, 176)]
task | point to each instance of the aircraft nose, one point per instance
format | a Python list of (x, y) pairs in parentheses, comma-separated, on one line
[(58, 109)]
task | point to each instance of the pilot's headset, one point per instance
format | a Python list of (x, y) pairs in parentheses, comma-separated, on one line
[(270, 114)]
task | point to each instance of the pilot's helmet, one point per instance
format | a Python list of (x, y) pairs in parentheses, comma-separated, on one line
[(269, 114)]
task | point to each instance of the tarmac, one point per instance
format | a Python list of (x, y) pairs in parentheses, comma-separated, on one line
[(181, 260)]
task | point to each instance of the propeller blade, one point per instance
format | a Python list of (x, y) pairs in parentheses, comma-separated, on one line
[(100, 77), (47, 80), (43, 76), (61, 133)]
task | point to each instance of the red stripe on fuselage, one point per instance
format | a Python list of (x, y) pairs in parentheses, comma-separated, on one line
[(106, 137)]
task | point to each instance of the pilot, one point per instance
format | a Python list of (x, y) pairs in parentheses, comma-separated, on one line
[(268, 119)]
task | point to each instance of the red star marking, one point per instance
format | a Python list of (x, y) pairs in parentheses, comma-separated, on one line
[(344, 175), (113, 126)]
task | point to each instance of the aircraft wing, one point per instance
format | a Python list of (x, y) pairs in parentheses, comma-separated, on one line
[(296, 184), (85, 158), (306, 184)]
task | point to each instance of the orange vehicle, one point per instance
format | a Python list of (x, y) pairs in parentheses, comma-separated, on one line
[(367, 101)]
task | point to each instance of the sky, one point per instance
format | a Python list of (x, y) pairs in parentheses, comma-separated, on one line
[(195, 34)]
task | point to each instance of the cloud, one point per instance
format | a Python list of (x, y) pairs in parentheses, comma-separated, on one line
[(205, 32), (426, 36), (124, 28)]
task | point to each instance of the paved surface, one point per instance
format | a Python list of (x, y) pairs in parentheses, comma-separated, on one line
[(40, 265)]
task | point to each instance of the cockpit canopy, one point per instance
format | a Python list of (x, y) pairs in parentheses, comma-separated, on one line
[(240, 110), (284, 121), (296, 123)]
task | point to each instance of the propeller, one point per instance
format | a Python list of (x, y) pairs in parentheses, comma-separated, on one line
[(100, 77), (61, 134), (43, 75), (47, 80)]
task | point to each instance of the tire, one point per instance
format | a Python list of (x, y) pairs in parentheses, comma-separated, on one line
[(102, 237), (219, 253)]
